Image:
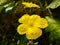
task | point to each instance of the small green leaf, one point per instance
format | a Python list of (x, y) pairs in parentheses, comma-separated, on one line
[(54, 4), (9, 6)]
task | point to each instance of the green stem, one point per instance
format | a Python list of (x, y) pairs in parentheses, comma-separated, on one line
[(41, 6), (50, 13)]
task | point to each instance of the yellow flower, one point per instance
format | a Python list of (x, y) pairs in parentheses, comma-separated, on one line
[(31, 26), (33, 33), (27, 4)]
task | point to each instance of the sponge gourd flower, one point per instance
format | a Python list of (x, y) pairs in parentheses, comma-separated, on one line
[(27, 4), (31, 25)]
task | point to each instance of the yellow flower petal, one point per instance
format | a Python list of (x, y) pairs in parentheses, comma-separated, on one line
[(43, 23), (21, 29), (33, 33), (27, 4), (36, 20), (33, 18), (24, 18)]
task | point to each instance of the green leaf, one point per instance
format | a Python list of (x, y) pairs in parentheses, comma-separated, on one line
[(54, 4), (9, 6), (53, 28), (53, 24)]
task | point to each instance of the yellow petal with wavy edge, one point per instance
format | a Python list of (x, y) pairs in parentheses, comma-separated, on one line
[(24, 18), (33, 33), (36, 20), (27, 4), (21, 29), (43, 23), (33, 18)]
